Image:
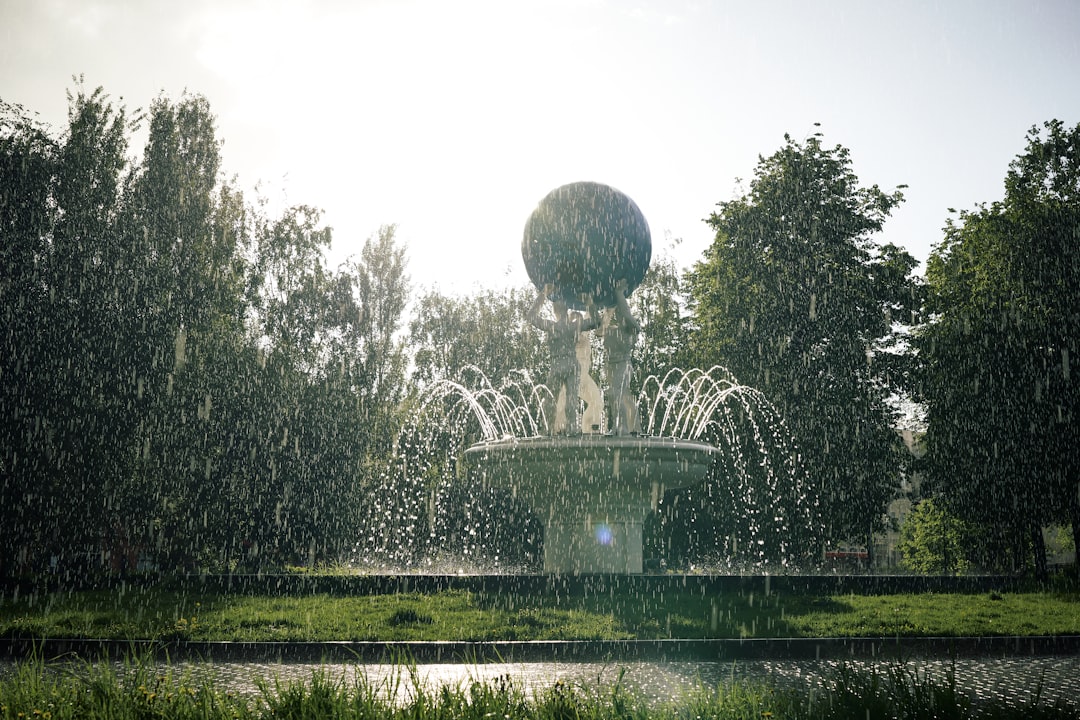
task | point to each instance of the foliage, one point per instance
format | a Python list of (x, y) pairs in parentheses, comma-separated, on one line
[(1003, 323), (659, 305), (184, 384), (798, 301), (931, 541), (456, 338), (1065, 540), (70, 383), (28, 161)]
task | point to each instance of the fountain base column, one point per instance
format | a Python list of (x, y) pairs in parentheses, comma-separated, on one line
[(593, 545)]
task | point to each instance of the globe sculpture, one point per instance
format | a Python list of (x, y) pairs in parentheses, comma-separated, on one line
[(583, 238), (592, 492)]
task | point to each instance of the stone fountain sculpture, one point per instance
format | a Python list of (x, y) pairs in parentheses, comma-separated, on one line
[(587, 246)]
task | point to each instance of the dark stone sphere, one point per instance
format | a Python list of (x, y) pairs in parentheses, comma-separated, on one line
[(582, 239)]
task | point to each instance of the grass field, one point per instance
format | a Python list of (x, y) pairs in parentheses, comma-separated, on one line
[(143, 613), (34, 689)]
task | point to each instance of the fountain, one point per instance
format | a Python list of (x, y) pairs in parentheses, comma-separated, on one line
[(588, 245), (486, 470)]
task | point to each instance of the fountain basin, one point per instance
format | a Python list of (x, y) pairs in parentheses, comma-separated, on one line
[(591, 492)]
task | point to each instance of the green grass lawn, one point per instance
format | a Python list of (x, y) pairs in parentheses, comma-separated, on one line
[(464, 615)]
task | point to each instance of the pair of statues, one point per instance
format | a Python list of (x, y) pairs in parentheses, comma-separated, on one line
[(571, 353)]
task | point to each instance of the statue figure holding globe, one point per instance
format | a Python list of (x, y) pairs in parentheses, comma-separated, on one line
[(586, 245), (565, 374), (620, 330)]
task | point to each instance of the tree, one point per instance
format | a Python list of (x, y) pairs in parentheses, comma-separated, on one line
[(932, 541), (1042, 194), (76, 382), (181, 379), (373, 294), (798, 300), (96, 364), (187, 234), (482, 342), (334, 378), (995, 353), (453, 337), (659, 306), (28, 161)]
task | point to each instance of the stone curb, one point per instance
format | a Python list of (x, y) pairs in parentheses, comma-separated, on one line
[(549, 650)]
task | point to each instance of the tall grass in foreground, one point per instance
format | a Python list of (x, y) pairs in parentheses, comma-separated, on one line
[(36, 689)]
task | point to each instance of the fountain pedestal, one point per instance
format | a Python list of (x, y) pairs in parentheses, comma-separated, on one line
[(592, 492)]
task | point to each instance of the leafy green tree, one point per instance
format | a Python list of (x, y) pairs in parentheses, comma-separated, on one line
[(797, 299), (361, 390), (187, 233), (1003, 322), (181, 379), (89, 375), (288, 283), (95, 354), (28, 161), (932, 541), (480, 341), (377, 291), (455, 337), (334, 380), (659, 305)]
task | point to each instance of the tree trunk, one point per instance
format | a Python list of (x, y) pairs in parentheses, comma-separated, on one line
[(1038, 547), (946, 569), (1074, 516), (1076, 542), (1019, 551)]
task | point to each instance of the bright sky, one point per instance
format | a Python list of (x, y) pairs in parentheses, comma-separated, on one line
[(453, 118)]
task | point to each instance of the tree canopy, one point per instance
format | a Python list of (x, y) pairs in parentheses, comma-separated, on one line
[(184, 383), (996, 352), (797, 299)]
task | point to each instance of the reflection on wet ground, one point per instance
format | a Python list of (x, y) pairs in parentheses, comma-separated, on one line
[(1014, 681)]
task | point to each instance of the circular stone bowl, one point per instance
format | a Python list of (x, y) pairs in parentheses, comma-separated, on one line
[(591, 492), (583, 238)]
